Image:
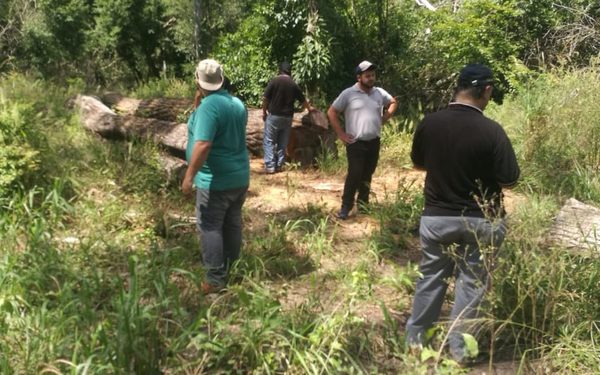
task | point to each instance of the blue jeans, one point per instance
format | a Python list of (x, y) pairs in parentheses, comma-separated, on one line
[(275, 140), (452, 244), (219, 224)]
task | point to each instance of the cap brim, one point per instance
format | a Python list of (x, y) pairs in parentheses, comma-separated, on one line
[(370, 67), (210, 86)]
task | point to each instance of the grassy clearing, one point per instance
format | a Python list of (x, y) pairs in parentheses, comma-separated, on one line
[(100, 271)]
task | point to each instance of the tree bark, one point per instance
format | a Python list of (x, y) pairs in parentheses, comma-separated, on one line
[(576, 227), (161, 120)]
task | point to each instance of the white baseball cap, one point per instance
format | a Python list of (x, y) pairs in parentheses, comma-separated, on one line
[(364, 66), (209, 75)]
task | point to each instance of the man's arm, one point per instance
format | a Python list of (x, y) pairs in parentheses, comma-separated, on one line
[(334, 119), (308, 106), (393, 105), (265, 106), (417, 154), (506, 167), (198, 158)]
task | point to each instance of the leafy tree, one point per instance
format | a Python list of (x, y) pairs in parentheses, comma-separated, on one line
[(312, 59)]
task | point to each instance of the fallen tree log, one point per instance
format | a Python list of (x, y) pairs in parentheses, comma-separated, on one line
[(309, 137), (173, 109), (102, 120), (166, 109), (576, 227), (173, 167)]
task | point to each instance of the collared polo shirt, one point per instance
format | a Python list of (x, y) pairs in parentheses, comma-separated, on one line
[(362, 111), (220, 119), (468, 158)]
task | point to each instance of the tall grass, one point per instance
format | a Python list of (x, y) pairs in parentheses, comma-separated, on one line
[(554, 122)]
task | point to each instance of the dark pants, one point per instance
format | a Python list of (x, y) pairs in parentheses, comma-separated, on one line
[(362, 161), (219, 224)]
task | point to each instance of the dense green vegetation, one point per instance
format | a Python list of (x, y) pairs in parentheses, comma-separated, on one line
[(97, 278), (124, 41)]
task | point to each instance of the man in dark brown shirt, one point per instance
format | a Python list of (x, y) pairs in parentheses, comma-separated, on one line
[(278, 111)]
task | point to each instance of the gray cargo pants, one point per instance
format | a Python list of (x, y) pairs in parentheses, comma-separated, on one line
[(452, 245), (219, 223)]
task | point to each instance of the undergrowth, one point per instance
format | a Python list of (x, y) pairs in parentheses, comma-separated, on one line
[(98, 276)]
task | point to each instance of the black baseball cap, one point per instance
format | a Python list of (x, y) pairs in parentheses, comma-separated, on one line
[(475, 75), (285, 67)]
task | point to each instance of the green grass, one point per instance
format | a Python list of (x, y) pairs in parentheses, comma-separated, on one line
[(555, 125), (97, 277)]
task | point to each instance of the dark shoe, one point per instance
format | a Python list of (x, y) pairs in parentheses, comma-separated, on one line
[(343, 213)]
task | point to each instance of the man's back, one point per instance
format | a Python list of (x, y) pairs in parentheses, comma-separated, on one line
[(281, 93), (467, 158), (221, 119)]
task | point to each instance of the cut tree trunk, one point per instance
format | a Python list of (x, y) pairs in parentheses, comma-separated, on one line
[(99, 118), (173, 167), (102, 120), (161, 120), (166, 109), (577, 227)]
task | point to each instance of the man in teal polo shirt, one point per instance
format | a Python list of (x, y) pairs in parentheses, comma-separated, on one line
[(218, 166)]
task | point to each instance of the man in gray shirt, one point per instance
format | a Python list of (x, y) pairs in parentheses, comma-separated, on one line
[(365, 108)]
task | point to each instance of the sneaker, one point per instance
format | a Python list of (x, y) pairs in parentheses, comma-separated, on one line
[(270, 171), (343, 213), (207, 288), (415, 350)]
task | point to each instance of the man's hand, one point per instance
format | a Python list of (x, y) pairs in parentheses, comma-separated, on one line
[(346, 138), (187, 186), (333, 116), (389, 111), (386, 116)]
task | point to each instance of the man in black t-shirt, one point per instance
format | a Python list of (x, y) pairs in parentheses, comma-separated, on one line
[(278, 112), (468, 159)]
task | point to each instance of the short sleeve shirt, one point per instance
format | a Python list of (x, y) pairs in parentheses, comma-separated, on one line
[(362, 111), (468, 158), (220, 119), (282, 92)]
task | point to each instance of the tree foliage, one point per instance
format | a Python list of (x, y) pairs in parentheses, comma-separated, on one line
[(417, 51)]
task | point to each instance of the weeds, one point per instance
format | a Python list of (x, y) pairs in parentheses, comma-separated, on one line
[(94, 280)]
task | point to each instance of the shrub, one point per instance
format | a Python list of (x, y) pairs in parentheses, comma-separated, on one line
[(555, 125)]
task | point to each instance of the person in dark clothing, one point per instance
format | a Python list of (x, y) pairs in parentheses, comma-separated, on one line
[(278, 111), (365, 108), (469, 160)]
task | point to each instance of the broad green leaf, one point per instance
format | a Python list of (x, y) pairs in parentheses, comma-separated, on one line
[(471, 346)]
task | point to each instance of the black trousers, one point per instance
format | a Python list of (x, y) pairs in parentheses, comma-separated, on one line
[(362, 161)]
